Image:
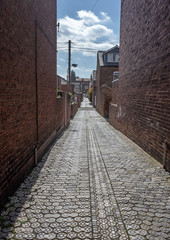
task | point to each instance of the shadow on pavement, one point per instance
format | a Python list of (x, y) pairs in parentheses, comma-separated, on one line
[(13, 209)]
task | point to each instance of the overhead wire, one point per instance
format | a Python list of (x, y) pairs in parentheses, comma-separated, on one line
[(62, 45), (86, 18), (79, 49)]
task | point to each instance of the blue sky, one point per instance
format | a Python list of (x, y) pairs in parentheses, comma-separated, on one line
[(91, 25)]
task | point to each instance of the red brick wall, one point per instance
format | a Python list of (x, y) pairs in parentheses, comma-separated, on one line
[(64, 88), (18, 131), (68, 107), (113, 108), (104, 76), (94, 94), (60, 113), (63, 112), (104, 100), (79, 99), (143, 111), (74, 108)]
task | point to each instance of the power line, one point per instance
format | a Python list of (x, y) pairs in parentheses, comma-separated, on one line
[(74, 43), (94, 6), (92, 51), (86, 18), (64, 44), (84, 48), (79, 49)]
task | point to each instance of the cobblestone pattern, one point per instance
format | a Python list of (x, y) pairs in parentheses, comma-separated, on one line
[(140, 185), (54, 201), (93, 183), (106, 218)]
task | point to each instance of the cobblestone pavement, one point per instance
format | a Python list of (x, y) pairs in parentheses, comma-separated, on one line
[(93, 183)]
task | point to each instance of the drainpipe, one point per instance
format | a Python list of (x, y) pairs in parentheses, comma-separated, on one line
[(165, 145), (66, 109), (35, 155), (36, 90)]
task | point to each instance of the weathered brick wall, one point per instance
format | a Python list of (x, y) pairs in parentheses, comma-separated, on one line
[(60, 113), (74, 108), (113, 107), (94, 94), (143, 111), (63, 112), (18, 130), (104, 100), (64, 88), (68, 107), (79, 99), (104, 76), (115, 85)]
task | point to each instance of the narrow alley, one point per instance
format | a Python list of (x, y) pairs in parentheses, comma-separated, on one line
[(93, 183)]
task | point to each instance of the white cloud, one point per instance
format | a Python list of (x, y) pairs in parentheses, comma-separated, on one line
[(88, 54), (62, 60), (96, 32), (80, 72), (62, 75), (88, 31), (106, 18), (88, 17)]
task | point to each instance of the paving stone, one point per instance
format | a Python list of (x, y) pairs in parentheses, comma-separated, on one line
[(93, 183)]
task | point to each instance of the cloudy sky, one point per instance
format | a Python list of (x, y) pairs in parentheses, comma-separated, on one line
[(91, 25)]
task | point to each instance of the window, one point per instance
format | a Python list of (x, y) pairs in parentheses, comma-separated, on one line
[(117, 58), (112, 57)]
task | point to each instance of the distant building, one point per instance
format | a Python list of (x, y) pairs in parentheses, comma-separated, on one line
[(61, 81), (81, 85), (94, 88), (107, 64)]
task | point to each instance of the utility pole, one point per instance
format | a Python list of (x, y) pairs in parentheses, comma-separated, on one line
[(69, 61)]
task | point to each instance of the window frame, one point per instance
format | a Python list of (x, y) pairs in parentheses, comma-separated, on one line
[(112, 57)]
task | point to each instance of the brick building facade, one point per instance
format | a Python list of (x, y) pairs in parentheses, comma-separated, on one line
[(61, 81), (63, 111), (106, 66), (141, 97), (27, 87), (81, 85), (93, 83)]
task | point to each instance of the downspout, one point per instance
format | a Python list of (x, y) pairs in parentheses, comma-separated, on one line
[(36, 90), (165, 145), (66, 109)]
